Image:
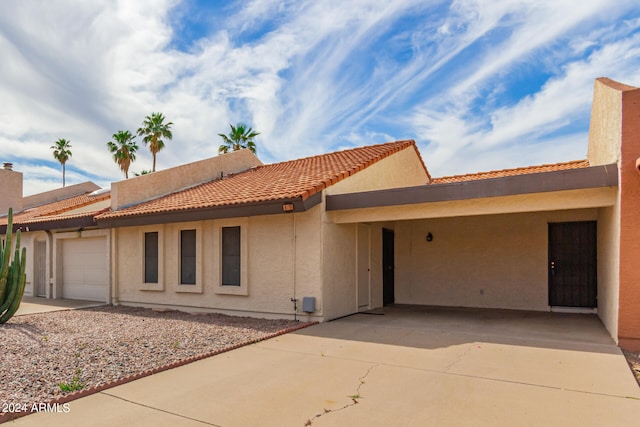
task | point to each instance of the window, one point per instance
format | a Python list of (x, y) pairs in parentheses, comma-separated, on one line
[(149, 252), (151, 257), (231, 256), (188, 257), (230, 263)]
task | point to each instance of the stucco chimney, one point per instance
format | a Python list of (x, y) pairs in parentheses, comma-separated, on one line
[(10, 189)]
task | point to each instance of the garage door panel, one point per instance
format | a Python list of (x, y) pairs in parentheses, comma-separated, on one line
[(95, 277), (84, 272)]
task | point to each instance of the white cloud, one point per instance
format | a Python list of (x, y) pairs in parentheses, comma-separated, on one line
[(309, 75), (527, 126)]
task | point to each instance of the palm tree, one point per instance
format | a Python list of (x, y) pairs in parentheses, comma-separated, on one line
[(154, 129), (124, 150), (62, 153), (241, 136)]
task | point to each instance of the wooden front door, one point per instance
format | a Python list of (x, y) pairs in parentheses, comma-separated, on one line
[(573, 264), (388, 285)]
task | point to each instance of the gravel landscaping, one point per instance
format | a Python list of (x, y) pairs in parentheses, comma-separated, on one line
[(633, 359), (42, 354)]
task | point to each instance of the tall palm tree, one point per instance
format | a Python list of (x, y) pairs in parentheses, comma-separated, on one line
[(154, 129), (62, 153), (241, 136), (124, 150)]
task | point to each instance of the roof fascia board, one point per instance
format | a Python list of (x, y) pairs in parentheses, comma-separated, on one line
[(271, 207), (570, 179), (57, 224)]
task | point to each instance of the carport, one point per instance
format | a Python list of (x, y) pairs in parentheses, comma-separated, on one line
[(521, 239)]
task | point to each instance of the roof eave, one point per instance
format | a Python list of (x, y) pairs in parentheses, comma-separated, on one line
[(541, 182), (270, 207), (56, 224)]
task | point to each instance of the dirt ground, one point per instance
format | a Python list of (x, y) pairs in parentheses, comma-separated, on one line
[(634, 363)]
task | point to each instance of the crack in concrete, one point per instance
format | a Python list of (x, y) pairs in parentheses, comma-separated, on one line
[(354, 397), (459, 358)]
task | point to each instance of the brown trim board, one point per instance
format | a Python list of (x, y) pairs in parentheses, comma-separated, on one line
[(542, 182), (270, 207), (56, 224)]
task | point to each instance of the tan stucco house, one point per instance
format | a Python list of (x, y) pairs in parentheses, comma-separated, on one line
[(354, 230)]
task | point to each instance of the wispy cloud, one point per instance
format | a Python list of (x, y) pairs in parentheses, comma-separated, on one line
[(474, 82)]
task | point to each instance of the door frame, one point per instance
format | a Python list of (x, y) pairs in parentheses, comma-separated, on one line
[(578, 261), (388, 266), (363, 278)]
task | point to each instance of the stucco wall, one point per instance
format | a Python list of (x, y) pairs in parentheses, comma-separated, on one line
[(10, 191), (608, 267), (401, 169), (27, 240), (271, 254), (605, 126), (339, 270), (629, 184), (145, 187), (614, 135), (496, 261)]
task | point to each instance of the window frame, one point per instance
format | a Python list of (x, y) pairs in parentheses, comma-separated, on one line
[(179, 286), (237, 257), (219, 287), (144, 285)]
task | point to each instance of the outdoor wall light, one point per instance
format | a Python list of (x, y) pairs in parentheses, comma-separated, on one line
[(429, 237), (287, 207), (638, 165)]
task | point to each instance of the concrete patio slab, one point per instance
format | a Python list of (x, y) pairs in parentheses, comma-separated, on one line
[(409, 367)]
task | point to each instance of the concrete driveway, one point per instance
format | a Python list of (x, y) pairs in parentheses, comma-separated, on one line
[(412, 366), (34, 305)]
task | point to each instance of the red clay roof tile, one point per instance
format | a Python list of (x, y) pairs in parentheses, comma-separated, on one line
[(575, 164), (57, 210), (300, 178)]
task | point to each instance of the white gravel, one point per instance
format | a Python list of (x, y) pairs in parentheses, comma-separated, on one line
[(104, 344)]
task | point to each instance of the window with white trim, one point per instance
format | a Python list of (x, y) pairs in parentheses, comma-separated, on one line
[(151, 257), (231, 256), (230, 262), (188, 257)]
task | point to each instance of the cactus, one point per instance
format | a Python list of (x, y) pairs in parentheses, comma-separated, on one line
[(12, 273)]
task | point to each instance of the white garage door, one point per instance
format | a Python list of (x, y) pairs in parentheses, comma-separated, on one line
[(84, 269)]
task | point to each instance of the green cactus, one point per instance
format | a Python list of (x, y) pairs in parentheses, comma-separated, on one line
[(12, 274)]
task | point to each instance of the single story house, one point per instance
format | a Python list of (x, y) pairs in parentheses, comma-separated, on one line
[(330, 235)]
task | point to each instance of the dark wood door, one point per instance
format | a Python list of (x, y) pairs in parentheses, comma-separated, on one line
[(573, 264), (388, 285)]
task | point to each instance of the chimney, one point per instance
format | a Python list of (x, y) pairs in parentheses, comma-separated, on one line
[(10, 189)]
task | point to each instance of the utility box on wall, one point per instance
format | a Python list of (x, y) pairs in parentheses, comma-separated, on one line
[(308, 304)]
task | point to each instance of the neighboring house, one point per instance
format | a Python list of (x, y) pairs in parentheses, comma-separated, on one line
[(67, 256), (361, 228)]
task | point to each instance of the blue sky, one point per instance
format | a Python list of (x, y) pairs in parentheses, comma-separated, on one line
[(479, 84)]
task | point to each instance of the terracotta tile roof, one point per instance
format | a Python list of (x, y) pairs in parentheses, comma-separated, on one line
[(287, 180), (69, 208), (575, 164)]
